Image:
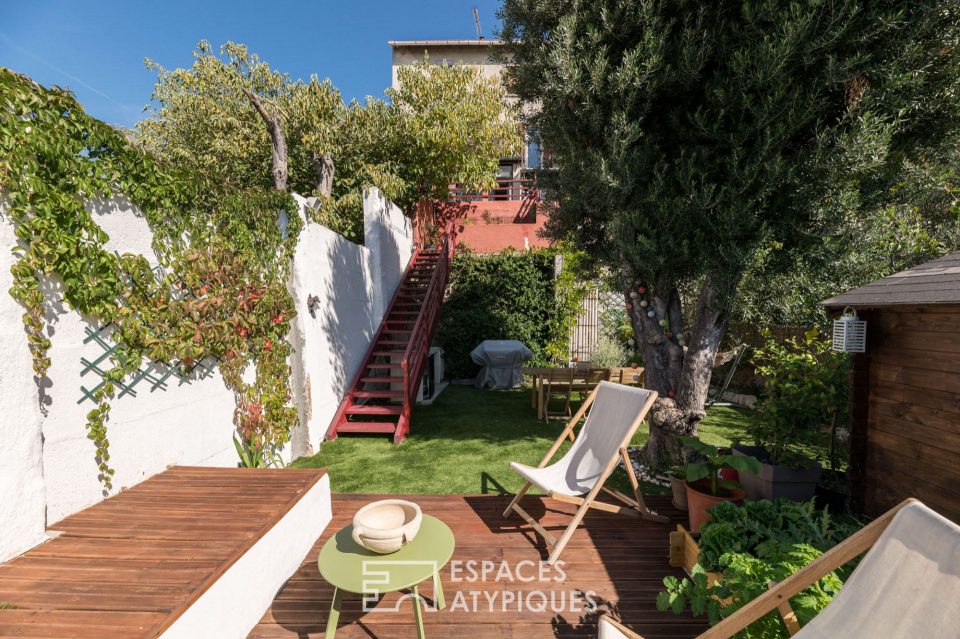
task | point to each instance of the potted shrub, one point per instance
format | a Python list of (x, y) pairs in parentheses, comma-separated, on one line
[(704, 486), (805, 382)]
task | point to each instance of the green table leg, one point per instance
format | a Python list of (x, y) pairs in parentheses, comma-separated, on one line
[(334, 613), (438, 592), (418, 613)]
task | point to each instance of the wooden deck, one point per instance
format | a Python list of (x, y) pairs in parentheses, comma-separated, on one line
[(623, 560), (129, 566)]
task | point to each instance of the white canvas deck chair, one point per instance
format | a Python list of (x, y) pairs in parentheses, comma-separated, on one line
[(906, 587), (616, 411)]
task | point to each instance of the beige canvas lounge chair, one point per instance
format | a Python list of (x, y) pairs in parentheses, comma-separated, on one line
[(907, 586), (616, 411)]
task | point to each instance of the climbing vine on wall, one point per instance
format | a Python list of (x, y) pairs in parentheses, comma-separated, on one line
[(231, 255)]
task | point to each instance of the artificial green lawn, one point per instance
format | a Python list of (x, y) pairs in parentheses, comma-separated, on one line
[(463, 443)]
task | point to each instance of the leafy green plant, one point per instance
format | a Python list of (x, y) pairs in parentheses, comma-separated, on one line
[(224, 296), (743, 578), (607, 353), (712, 461), (805, 385), (257, 453), (751, 527)]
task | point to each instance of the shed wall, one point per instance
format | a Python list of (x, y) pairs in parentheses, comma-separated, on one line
[(911, 443)]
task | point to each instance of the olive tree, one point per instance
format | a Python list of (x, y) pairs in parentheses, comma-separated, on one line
[(690, 137)]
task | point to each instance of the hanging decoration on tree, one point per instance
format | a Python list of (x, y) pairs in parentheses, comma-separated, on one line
[(651, 314), (643, 303), (633, 295)]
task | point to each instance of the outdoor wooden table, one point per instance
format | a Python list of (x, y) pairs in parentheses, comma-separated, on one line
[(349, 567), (538, 374)]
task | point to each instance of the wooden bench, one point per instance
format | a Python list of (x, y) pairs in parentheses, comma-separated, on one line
[(190, 552)]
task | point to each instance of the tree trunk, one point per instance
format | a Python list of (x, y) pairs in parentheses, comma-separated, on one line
[(680, 375), (323, 165), (279, 143)]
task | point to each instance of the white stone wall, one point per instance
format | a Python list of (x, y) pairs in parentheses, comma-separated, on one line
[(49, 471)]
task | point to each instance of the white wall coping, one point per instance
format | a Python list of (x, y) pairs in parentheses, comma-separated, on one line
[(238, 599)]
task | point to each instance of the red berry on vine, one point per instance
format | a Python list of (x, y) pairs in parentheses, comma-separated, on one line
[(276, 319)]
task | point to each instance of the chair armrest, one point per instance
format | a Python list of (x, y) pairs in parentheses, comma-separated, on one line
[(610, 628)]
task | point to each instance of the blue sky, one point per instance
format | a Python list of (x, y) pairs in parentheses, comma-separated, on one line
[(97, 47)]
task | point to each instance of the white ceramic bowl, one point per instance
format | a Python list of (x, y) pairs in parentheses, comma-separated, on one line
[(386, 526)]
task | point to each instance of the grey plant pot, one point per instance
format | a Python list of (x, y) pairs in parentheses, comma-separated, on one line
[(678, 488), (777, 481)]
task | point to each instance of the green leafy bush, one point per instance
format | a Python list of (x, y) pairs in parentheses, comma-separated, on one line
[(805, 385), (750, 546), (752, 527), (608, 353), (745, 577), (508, 295)]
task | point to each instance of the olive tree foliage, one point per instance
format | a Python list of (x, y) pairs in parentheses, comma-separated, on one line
[(860, 247), (694, 140), (233, 119)]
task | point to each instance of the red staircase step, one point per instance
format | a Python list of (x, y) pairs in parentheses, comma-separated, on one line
[(379, 379), (380, 394), (388, 353), (375, 410), (366, 427), (394, 342), (382, 365)]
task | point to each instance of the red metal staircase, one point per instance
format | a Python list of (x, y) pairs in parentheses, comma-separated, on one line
[(386, 385)]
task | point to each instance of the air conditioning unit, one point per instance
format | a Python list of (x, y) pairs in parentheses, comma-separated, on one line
[(432, 382)]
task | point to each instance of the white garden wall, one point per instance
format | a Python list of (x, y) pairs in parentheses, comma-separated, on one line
[(49, 470), (352, 284)]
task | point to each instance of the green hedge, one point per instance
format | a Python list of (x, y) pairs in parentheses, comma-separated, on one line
[(508, 295)]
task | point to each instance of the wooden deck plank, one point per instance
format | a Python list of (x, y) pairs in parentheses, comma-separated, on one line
[(623, 560), (129, 566)]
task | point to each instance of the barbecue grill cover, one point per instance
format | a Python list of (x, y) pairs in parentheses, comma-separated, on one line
[(500, 361)]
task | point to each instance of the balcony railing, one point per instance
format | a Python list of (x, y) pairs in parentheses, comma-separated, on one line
[(505, 190)]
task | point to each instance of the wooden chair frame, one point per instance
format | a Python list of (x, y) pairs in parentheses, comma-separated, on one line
[(566, 389), (778, 595), (634, 507)]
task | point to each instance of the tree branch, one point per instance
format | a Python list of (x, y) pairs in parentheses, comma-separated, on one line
[(279, 142)]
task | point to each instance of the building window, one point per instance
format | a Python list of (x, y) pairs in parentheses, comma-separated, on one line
[(534, 159)]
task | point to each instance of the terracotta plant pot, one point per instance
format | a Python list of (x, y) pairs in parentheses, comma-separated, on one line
[(679, 489), (699, 500)]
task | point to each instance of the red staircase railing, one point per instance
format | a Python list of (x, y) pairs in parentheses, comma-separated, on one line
[(415, 357)]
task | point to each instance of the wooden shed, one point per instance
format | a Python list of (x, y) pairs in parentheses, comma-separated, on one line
[(905, 396)]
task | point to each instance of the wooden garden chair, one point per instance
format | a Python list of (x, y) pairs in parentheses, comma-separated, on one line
[(616, 411), (907, 585), (558, 385)]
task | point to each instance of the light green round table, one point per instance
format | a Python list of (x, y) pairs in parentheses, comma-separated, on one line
[(349, 567)]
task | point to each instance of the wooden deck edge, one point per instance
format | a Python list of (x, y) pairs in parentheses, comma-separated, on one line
[(216, 575)]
